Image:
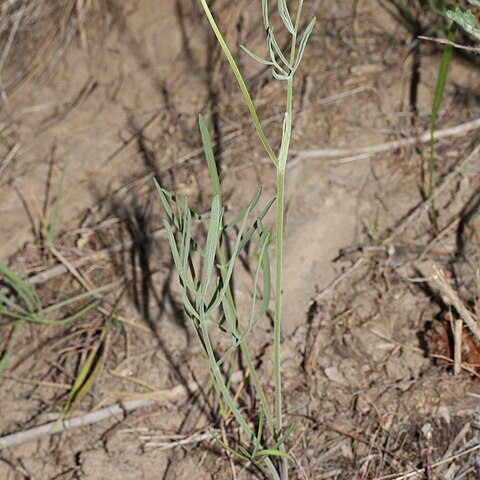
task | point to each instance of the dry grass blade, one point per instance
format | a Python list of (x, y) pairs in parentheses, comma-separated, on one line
[(35, 34), (452, 298), (87, 376)]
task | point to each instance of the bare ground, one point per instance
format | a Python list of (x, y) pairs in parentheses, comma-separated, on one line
[(367, 345)]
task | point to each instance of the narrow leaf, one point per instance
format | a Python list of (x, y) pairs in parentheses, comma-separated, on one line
[(304, 41), (437, 102), (285, 16), (207, 147), (211, 244), (86, 377), (239, 218), (273, 44), (20, 287), (266, 22), (273, 453), (256, 57), (166, 205)]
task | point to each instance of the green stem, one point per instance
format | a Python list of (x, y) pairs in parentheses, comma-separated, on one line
[(244, 349), (278, 302), (277, 327), (241, 82), (282, 163), (227, 398)]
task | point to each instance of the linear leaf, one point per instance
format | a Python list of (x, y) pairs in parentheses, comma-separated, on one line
[(266, 22), (230, 264), (273, 453), (211, 244), (437, 102), (176, 257), (247, 237), (256, 57), (8, 302), (163, 198), (258, 438), (285, 16), (239, 218), (273, 44), (86, 377), (24, 291), (207, 147), (304, 41)]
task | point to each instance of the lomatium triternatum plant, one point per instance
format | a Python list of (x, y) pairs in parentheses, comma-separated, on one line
[(205, 269)]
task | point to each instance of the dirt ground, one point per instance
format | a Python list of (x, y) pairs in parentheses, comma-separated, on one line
[(367, 358)]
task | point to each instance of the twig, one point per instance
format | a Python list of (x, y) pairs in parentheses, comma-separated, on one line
[(453, 298), (13, 33), (199, 437), (455, 443), (9, 157), (351, 154), (457, 335), (170, 395), (419, 471), (444, 41)]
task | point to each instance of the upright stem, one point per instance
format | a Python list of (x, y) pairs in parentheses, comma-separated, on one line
[(278, 302), (282, 162)]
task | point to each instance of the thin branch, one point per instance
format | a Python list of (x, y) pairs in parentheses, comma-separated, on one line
[(444, 41), (352, 154), (116, 411)]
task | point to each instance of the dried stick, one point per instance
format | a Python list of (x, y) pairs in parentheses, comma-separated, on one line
[(369, 150), (445, 41), (171, 395), (453, 299), (457, 335)]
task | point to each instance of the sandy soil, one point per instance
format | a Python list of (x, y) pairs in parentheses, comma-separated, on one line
[(367, 396)]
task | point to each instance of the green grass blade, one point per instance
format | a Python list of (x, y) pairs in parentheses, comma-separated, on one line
[(6, 302), (86, 377), (230, 450), (69, 319), (258, 438), (230, 264), (437, 101), (21, 288), (7, 350), (273, 453), (78, 298)]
